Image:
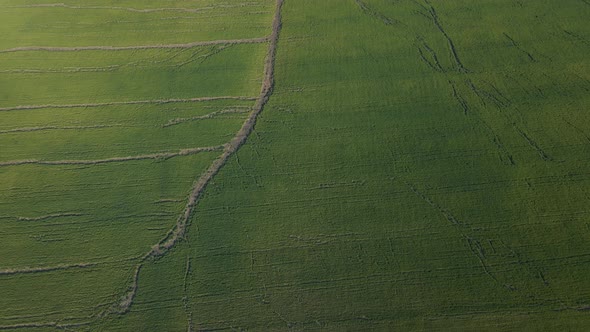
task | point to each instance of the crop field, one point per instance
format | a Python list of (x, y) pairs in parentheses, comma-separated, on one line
[(294, 165)]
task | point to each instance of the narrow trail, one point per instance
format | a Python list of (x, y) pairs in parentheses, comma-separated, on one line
[(162, 156), (117, 103), (179, 229), (136, 47)]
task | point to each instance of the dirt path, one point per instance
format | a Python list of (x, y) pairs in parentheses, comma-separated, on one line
[(168, 155), (136, 47), (179, 229), (133, 102)]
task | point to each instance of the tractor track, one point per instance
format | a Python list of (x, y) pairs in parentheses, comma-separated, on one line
[(158, 156), (136, 47), (129, 9), (211, 115), (45, 128), (133, 102)]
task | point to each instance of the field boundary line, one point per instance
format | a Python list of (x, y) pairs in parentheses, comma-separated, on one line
[(162, 156), (133, 102), (259, 40), (179, 229)]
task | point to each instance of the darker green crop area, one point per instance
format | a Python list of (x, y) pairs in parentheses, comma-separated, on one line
[(420, 166)]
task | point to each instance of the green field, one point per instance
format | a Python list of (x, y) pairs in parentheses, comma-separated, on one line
[(418, 165)]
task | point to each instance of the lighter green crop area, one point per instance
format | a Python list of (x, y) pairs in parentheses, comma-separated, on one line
[(421, 165), (92, 168)]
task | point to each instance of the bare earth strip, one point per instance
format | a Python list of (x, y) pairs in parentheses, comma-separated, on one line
[(168, 155), (133, 102), (136, 47), (178, 231)]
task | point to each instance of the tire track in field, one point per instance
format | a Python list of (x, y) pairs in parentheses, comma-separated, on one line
[(136, 47), (177, 232), (495, 97), (371, 12), (430, 57), (577, 129), (117, 103), (211, 115), (489, 255), (434, 16), (7, 272), (62, 71), (50, 216), (83, 265), (518, 47), (53, 325), (161, 156), (134, 10), (45, 128), (479, 246)]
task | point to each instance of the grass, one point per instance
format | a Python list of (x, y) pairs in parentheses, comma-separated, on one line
[(117, 128), (369, 199), (188, 73), (73, 233), (419, 166), (111, 23)]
